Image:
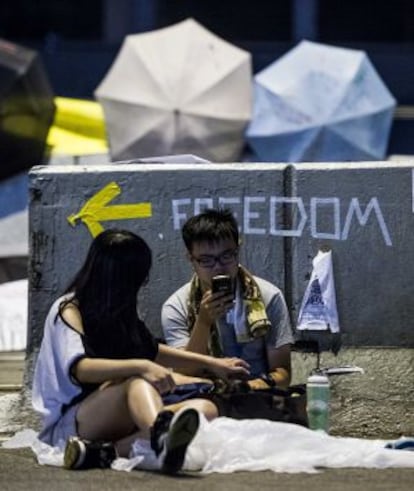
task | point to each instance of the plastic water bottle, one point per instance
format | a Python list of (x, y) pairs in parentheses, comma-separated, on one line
[(317, 406)]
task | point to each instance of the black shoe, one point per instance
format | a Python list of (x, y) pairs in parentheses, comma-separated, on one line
[(171, 435), (83, 454)]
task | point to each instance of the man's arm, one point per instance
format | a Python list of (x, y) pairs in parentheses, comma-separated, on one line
[(190, 362), (200, 335), (279, 346), (177, 333), (279, 369), (280, 365), (174, 321)]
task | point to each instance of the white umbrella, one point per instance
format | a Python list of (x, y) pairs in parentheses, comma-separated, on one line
[(180, 89), (320, 103)]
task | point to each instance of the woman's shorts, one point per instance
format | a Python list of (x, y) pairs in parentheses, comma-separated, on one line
[(184, 392), (58, 434)]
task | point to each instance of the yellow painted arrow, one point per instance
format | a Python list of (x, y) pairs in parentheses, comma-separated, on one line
[(96, 210)]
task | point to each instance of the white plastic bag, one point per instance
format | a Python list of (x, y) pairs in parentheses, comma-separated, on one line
[(318, 311)]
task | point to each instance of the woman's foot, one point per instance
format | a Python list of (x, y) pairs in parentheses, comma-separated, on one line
[(170, 436), (84, 454)]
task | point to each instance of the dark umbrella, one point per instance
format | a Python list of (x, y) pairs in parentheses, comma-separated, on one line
[(26, 108)]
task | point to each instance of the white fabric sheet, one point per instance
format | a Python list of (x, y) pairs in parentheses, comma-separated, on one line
[(226, 445)]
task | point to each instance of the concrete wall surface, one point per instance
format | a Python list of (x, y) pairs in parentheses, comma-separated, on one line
[(175, 192), (363, 212)]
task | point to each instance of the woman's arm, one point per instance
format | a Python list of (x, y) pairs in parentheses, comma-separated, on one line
[(99, 370), (88, 370), (198, 364)]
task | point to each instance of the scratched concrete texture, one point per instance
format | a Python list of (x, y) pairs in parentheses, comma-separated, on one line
[(362, 212)]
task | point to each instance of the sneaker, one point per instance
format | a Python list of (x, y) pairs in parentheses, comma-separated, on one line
[(84, 454), (170, 436)]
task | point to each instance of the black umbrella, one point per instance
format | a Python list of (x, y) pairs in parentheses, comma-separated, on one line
[(26, 108)]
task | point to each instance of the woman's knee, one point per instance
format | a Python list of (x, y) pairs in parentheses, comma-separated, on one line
[(137, 385), (104, 413), (204, 406), (208, 408)]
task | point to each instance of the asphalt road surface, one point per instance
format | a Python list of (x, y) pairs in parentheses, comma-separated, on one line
[(20, 471)]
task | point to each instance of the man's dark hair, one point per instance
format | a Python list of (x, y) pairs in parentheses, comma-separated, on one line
[(210, 226)]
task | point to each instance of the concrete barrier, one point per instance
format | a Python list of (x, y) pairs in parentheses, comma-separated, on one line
[(168, 195), (363, 212)]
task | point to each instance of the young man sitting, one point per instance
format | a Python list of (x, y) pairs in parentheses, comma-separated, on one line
[(251, 322)]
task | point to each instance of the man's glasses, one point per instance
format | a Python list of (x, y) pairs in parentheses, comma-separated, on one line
[(225, 258)]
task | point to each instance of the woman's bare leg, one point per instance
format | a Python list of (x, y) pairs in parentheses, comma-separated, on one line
[(181, 379), (204, 406), (144, 403), (128, 405)]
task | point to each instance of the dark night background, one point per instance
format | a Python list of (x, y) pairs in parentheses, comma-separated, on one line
[(79, 39)]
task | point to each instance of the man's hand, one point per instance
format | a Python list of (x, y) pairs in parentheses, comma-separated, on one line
[(215, 305), (230, 368), (279, 376), (257, 384)]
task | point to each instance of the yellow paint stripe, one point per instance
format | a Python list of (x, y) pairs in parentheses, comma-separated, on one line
[(97, 209), (114, 212)]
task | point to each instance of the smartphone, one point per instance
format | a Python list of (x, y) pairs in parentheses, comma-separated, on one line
[(221, 283)]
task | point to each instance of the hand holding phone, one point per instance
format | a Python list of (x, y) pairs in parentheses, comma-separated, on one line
[(221, 284), (219, 300)]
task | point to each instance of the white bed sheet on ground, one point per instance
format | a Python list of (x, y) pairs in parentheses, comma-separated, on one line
[(227, 445), (13, 315)]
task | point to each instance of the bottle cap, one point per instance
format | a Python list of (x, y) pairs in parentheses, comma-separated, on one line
[(318, 379)]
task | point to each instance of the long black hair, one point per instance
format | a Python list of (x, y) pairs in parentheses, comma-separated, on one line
[(105, 290)]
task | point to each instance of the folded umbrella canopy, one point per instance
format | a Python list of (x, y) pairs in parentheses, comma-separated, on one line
[(26, 108), (180, 89), (320, 103)]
